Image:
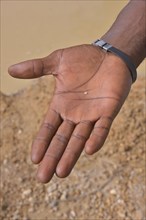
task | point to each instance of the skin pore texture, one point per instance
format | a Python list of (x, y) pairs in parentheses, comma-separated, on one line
[(91, 87)]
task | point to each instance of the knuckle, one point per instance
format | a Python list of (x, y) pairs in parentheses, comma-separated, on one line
[(68, 121), (97, 141), (41, 139), (106, 120), (87, 122), (79, 136), (72, 153), (48, 125), (102, 129), (51, 155), (62, 138), (100, 132), (37, 67)]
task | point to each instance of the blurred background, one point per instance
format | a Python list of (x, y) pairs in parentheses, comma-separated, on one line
[(31, 29)]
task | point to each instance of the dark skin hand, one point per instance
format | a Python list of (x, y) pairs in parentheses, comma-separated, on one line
[(91, 86)]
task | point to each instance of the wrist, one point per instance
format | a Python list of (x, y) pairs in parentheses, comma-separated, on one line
[(127, 60), (128, 31), (117, 42)]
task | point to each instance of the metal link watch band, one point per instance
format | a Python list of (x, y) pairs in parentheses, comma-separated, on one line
[(119, 53)]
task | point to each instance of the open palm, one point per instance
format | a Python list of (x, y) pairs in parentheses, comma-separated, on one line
[(91, 86)]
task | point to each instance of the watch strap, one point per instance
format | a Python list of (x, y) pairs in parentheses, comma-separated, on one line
[(122, 55)]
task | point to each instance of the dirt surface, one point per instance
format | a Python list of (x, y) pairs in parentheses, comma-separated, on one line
[(109, 185)]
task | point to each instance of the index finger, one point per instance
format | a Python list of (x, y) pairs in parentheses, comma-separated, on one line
[(48, 128)]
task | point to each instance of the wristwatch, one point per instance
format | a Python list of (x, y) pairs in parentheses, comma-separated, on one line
[(109, 48)]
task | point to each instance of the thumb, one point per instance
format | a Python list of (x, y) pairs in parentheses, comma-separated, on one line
[(34, 68)]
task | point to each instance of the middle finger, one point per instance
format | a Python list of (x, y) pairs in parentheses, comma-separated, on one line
[(74, 148)]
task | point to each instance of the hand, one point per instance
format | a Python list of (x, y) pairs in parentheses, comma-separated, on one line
[(91, 86)]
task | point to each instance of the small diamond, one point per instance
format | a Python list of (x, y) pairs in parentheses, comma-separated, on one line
[(85, 93)]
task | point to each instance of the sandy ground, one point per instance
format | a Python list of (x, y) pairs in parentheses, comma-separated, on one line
[(109, 185)]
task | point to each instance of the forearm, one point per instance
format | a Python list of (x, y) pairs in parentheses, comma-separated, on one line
[(128, 33)]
